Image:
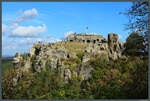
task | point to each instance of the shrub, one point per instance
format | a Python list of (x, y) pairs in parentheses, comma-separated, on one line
[(80, 55), (110, 80), (135, 45)]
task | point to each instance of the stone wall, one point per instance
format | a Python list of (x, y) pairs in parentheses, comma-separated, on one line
[(86, 38), (113, 40)]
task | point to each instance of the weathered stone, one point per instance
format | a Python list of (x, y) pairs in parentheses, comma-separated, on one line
[(58, 53), (112, 40), (67, 75), (86, 38), (85, 71), (75, 73), (27, 66), (17, 60), (18, 76), (86, 57), (32, 51)]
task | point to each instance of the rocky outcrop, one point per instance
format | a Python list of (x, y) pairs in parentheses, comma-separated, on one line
[(67, 75), (113, 40), (64, 55), (17, 60)]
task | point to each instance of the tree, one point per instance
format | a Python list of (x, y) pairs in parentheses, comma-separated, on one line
[(138, 20), (134, 45)]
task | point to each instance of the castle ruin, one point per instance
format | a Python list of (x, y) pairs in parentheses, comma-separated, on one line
[(86, 38), (56, 54)]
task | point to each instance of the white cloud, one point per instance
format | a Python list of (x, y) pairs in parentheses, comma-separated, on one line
[(6, 28), (28, 14), (22, 35), (68, 33), (29, 31), (12, 45)]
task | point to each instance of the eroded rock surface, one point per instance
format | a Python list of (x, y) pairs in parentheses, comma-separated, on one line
[(65, 54)]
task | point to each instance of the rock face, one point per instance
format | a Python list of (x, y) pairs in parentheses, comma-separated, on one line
[(113, 40), (67, 74), (71, 56), (17, 59)]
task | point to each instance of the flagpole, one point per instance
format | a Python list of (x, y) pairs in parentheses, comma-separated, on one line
[(87, 30)]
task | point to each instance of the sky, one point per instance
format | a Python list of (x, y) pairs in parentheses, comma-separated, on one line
[(24, 23)]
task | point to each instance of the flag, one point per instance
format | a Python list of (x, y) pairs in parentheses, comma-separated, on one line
[(86, 28)]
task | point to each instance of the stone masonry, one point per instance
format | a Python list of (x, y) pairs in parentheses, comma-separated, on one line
[(86, 38)]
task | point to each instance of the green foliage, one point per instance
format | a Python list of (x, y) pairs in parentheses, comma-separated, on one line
[(32, 85), (139, 77), (110, 80), (78, 61), (125, 79), (71, 67), (134, 45), (138, 18), (99, 62), (33, 61), (80, 55), (7, 84), (6, 66), (47, 65)]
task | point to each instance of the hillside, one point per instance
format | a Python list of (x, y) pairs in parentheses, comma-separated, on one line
[(83, 66), (68, 54)]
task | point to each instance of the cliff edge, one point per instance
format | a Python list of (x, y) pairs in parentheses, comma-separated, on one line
[(70, 56)]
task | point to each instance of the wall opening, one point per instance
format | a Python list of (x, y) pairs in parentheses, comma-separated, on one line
[(101, 48), (115, 46), (71, 40), (94, 41), (97, 39), (88, 41), (103, 41), (83, 40), (68, 56), (37, 51), (120, 46)]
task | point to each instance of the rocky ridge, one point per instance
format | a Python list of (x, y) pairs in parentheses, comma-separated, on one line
[(71, 56)]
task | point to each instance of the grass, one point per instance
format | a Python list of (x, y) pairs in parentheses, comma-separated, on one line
[(6, 65), (72, 47)]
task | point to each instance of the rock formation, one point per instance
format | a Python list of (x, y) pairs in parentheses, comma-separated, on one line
[(65, 55), (113, 40)]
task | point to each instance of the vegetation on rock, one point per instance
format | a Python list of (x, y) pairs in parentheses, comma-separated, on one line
[(110, 80)]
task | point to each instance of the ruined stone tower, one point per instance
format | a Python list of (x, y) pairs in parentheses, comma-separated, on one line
[(113, 40)]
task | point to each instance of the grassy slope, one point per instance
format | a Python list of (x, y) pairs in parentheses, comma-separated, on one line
[(72, 47), (6, 65)]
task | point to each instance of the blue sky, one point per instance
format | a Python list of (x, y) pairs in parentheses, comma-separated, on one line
[(24, 23)]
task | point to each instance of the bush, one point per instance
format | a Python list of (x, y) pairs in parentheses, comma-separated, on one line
[(110, 80), (80, 55), (7, 84), (135, 45)]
